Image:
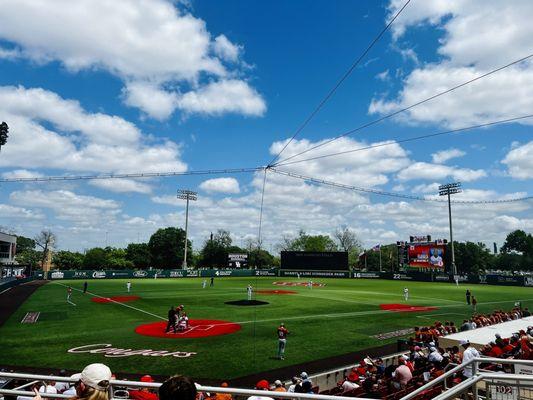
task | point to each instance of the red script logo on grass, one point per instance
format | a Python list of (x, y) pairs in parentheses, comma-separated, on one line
[(297, 284), (197, 328), (118, 299), (405, 308), (276, 292)]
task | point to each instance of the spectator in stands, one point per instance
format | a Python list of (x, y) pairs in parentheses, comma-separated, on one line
[(526, 313), (34, 388), (402, 376), (144, 393), (350, 383), (469, 353), (371, 389), (223, 396), (295, 382), (305, 378), (434, 355), (48, 387), (261, 385), (62, 386), (178, 387), (466, 326), (278, 386)]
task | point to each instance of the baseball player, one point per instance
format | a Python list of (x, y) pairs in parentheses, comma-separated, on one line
[(249, 290), (183, 323), (128, 286), (406, 294), (204, 283), (69, 293), (282, 340)]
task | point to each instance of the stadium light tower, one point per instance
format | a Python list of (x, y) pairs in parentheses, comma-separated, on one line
[(447, 190), (187, 195)]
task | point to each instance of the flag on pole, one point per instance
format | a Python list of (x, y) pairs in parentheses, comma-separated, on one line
[(377, 247)]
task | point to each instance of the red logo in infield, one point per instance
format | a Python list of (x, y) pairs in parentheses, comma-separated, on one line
[(197, 328), (405, 308), (297, 284), (115, 299), (276, 292)]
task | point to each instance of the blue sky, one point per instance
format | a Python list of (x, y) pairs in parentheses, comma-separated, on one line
[(157, 86)]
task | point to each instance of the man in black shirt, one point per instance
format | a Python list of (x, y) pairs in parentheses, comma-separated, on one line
[(85, 287), (171, 320), (468, 294)]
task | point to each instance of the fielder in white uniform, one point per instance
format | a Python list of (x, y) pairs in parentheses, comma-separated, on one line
[(204, 283), (128, 286), (406, 294), (249, 290)]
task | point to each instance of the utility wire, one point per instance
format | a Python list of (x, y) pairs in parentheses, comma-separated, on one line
[(411, 139), (132, 175), (337, 85), (393, 194), (361, 127)]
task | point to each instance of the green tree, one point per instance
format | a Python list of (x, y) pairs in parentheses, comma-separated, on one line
[(518, 241), (25, 243), (95, 258), (67, 260), (166, 248), (260, 258), (305, 242), (116, 259), (138, 254), (29, 257)]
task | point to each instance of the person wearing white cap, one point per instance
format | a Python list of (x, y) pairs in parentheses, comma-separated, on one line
[(468, 354)]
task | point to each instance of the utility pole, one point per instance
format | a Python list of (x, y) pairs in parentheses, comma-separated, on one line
[(186, 195), (447, 190)]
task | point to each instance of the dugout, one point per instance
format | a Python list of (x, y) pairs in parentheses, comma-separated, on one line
[(314, 261)]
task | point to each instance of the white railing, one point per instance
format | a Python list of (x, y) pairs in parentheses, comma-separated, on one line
[(468, 385)]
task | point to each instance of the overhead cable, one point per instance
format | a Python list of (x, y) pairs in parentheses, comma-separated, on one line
[(385, 117), (337, 85)]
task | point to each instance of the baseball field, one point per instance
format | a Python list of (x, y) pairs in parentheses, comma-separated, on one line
[(337, 316)]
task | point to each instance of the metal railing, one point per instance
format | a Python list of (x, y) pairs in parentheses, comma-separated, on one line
[(469, 385)]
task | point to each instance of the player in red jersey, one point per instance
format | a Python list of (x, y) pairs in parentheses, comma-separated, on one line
[(282, 340)]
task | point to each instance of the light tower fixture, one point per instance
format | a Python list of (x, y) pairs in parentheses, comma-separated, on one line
[(447, 190), (187, 195)]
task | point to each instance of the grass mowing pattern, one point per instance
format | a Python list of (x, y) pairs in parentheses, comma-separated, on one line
[(338, 318)]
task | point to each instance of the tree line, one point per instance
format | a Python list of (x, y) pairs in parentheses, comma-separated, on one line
[(165, 248)]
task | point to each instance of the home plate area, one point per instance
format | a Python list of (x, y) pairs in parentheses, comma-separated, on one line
[(405, 308), (197, 328)]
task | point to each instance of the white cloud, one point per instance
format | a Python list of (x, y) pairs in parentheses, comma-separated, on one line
[(14, 212), (520, 161), (68, 205), (422, 170), (79, 141), (221, 185), (21, 173), (119, 185), (225, 49), (383, 76), (146, 43), (441, 157), (155, 102), (226, 96), (429, 188), (477, 37)]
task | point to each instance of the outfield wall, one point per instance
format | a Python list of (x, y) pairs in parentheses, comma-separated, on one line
[(506, 280)]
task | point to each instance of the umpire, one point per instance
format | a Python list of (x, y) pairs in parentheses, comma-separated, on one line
[(171, 320)]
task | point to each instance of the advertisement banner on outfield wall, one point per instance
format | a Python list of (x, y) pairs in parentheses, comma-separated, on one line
[(316, 274), (366, 275)]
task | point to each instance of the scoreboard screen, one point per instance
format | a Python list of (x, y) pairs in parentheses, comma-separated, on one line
[(237, 260), (317, 261)]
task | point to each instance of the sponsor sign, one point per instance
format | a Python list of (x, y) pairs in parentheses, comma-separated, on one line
[(177, 273), (366, 275), (402, 277), (223, 272), (528, 281), (237, 260), (113, 352), (192, 273), (393, 334), (316, 261), (57, 275), (140, 274), (317, 274), (99, 274), (119, 274), (80, 274), (420, 239), (265, 272), (30, 318), (442, 278)]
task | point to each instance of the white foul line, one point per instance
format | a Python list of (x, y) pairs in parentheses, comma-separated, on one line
[(116, 302)]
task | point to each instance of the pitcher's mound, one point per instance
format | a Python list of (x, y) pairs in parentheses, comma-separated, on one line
[(405, 308), (247, 303), (117, 299)]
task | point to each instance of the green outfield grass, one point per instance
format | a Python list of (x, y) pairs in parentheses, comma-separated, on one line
[(338, 318)]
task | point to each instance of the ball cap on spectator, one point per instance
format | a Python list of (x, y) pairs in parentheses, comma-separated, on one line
[(277, 382), (94, 374), (262, 384), (303, 375), (147, 378), (463, 342)]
